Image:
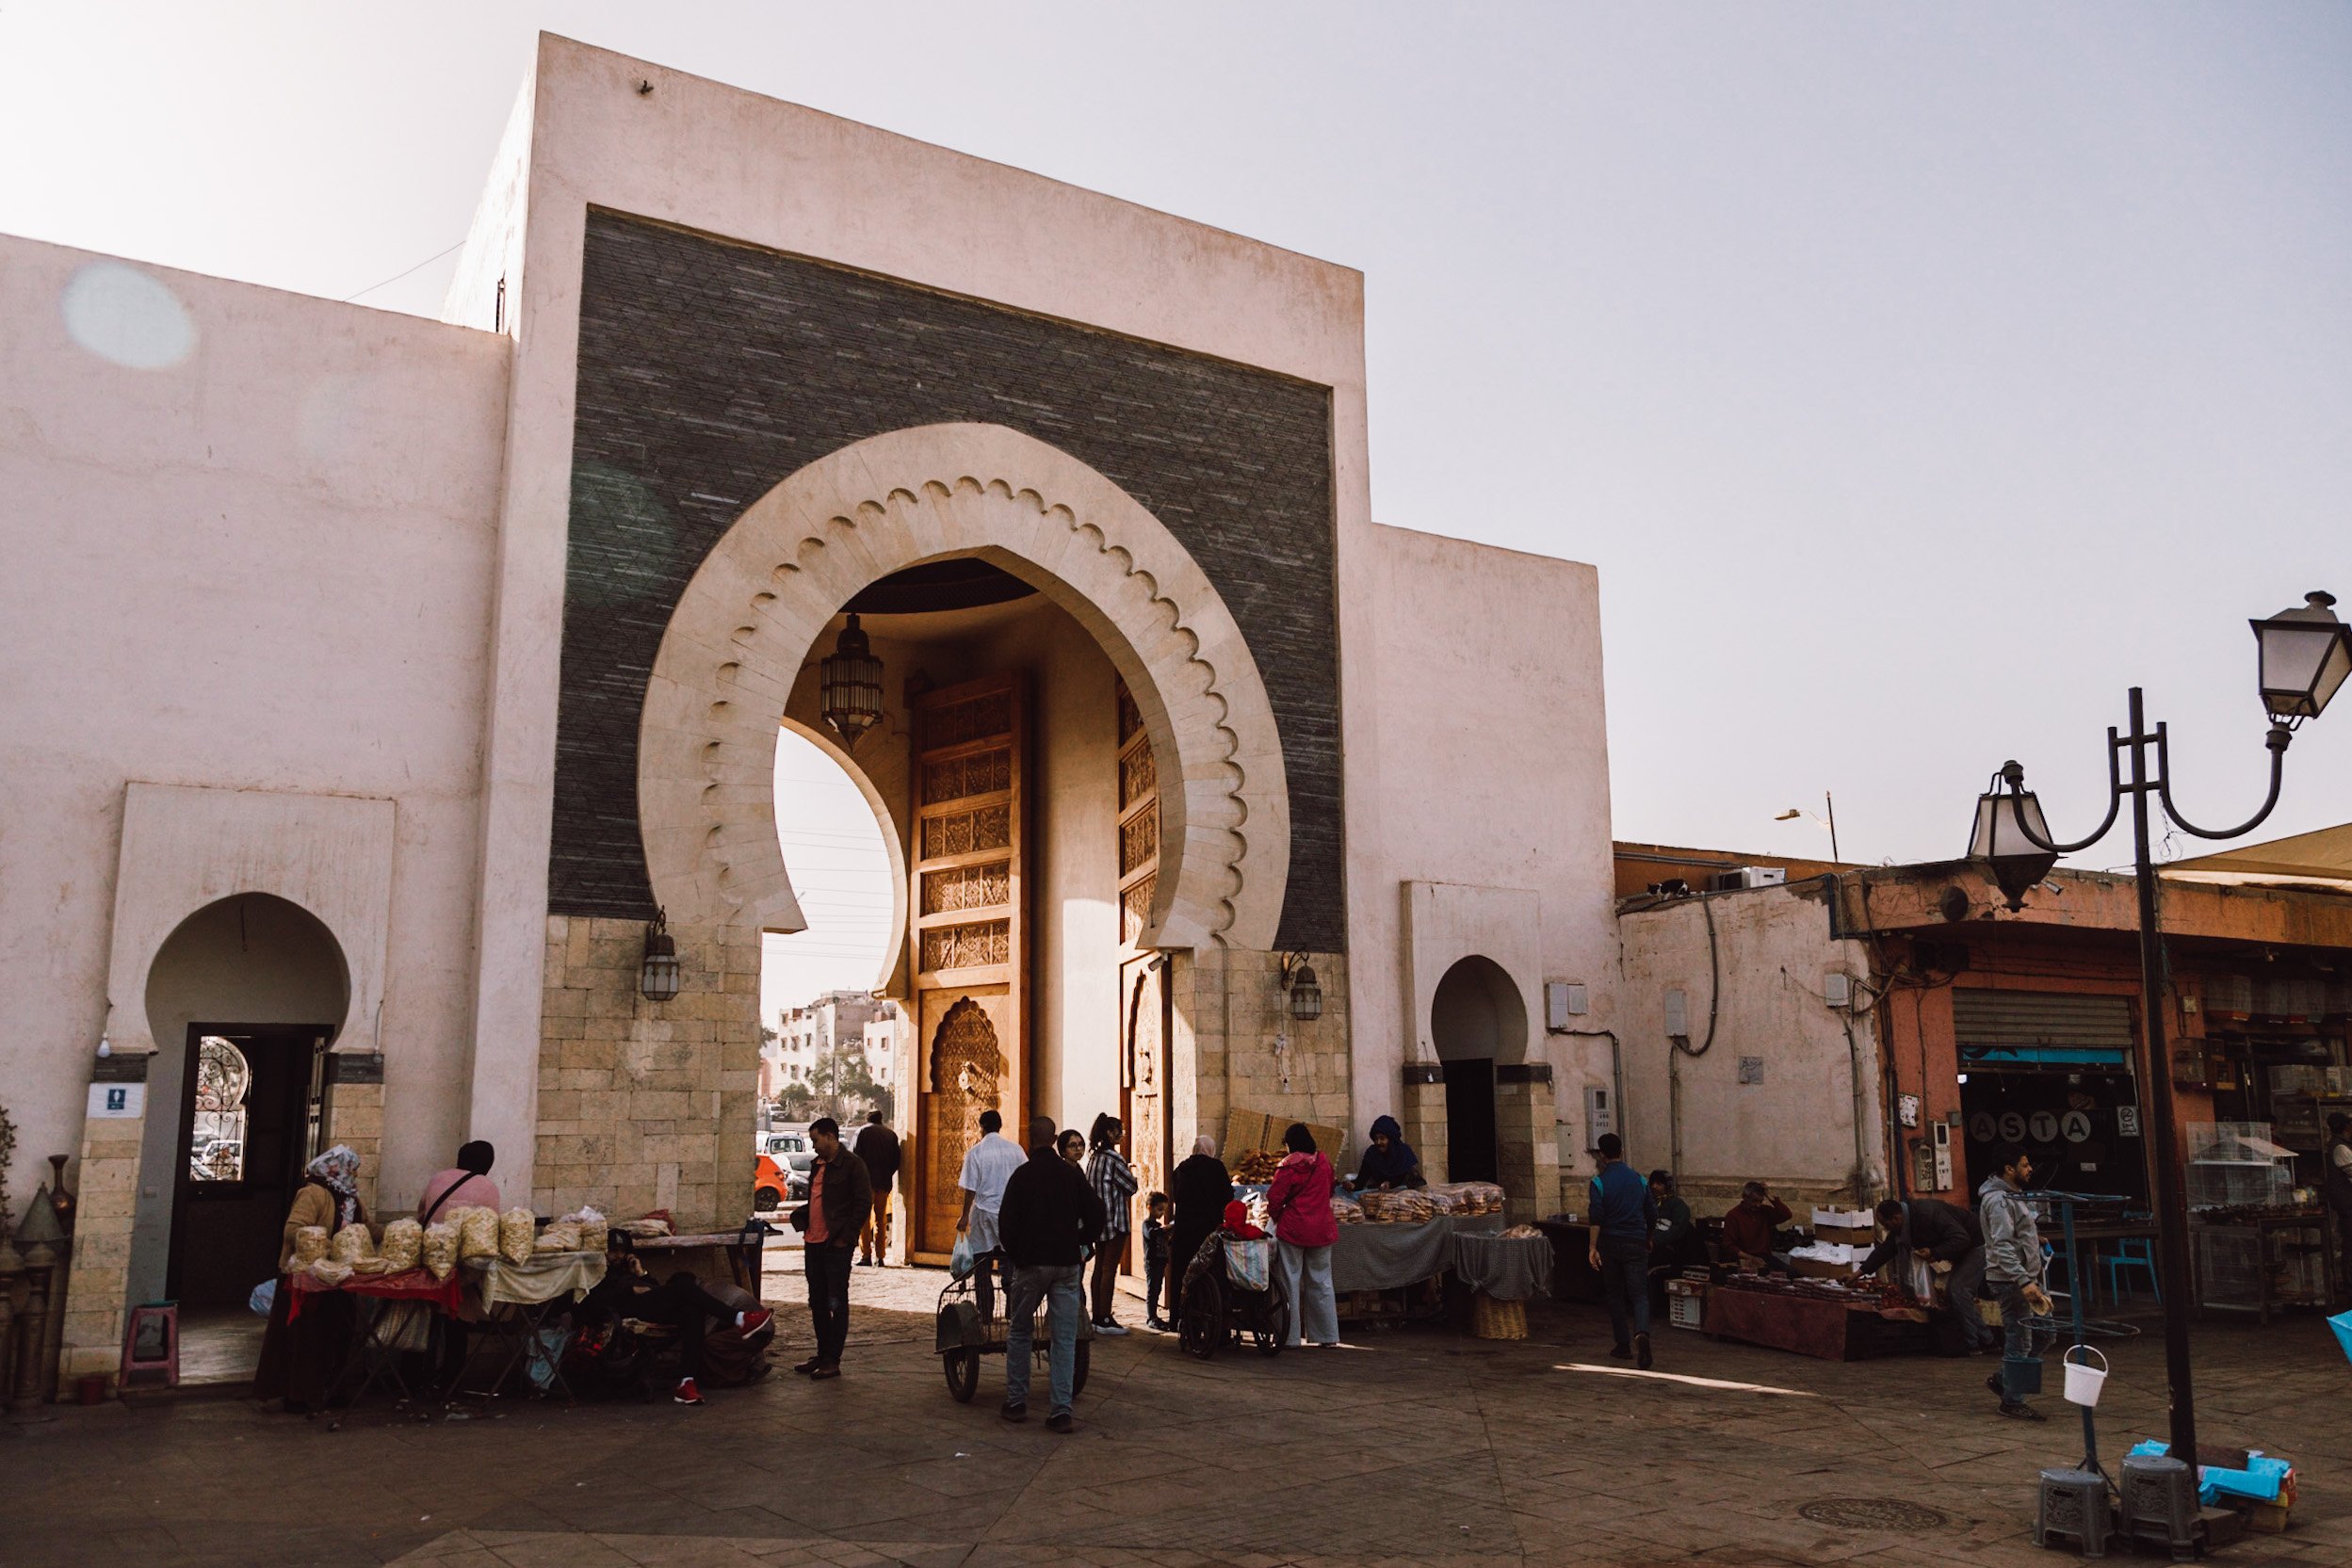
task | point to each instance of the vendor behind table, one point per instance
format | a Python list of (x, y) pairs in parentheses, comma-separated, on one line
[(1388, 1160), (1931, 1230), (1747, 1231)]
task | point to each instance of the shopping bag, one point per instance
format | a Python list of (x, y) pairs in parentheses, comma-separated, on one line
[(1250, 1265), (265, 1296), (2341, 1323), (960, 1259)]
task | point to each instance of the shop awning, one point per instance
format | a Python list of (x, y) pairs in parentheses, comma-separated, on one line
[(2322, 858)]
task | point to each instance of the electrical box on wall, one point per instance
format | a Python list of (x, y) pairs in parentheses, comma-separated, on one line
[(1678, 1016), (1836, 989), (1600, 1115), (1563, 1001), (1942, 1134)]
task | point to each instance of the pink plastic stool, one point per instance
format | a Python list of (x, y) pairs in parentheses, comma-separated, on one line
[(150, 1343)]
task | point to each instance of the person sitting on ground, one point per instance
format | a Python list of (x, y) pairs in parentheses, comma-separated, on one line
[(681, 1302), (1674, 1243), (1747, 1232), (1158, 1212), (1933, 1231), (1388, 1160)]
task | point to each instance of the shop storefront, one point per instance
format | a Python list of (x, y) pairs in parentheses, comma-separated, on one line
[(2053, 1072)]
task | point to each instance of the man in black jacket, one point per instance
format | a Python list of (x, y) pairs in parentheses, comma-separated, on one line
[(1937, 1232), (1049, 1216), (839, 1198), (878, 1147)]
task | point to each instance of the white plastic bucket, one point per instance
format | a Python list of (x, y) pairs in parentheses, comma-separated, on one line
[(2084, 1380)]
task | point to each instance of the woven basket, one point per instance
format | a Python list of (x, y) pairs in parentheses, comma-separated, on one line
[(1493, 1320)]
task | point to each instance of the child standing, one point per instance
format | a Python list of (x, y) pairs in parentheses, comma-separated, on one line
[(1155, 1223)]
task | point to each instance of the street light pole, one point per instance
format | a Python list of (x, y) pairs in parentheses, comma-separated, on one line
[(2306, 657)]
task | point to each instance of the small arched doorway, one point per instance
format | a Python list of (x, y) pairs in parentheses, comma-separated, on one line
[(1476, 1020), (242, 1000)]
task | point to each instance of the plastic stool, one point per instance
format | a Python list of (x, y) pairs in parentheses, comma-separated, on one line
[(2160, 1503), (2074, 1502), (150, 1342), (2133, 1253)]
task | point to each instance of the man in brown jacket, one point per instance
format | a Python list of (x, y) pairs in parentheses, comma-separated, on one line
[(840, 1200)]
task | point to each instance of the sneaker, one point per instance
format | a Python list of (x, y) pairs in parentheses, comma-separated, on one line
[(1011, 1412), (2018, 1409), (1059, 1421), (753, 1321), (1109, 1328), (1155, 1325), (686, 1393), (1640, 1351), (1623, 1352)]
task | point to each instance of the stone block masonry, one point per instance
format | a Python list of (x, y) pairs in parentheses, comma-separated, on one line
[(1245, 1050), (647, 1104), (710, 371)]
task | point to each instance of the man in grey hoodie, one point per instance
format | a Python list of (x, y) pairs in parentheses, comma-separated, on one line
[(2013, 1266)]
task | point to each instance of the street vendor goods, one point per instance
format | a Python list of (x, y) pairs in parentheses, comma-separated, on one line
[(309, 1245), (439, 1252), (645, 1229), (328, 1271), (478, 1232), (518, 1230), (1257, 1167), (562, 1235), (402, 1241), (1345, 1209), (1408, 1206), (1522, 1233), (378, 1264), (1464, 1197), (352, 1243), (593, 1230)]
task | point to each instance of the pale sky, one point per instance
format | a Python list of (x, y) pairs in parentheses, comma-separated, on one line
[(1918, 378)]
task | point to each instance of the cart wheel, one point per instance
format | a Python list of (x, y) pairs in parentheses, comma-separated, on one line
[(962, 1370), (1078, 1368), (1202, 1329)]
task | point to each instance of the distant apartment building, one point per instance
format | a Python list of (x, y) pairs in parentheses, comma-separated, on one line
[(807, 1034)]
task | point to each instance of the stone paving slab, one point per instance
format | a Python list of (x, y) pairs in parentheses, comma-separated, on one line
[(1407, 1448)]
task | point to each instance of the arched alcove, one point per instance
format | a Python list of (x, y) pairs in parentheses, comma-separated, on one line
[(268, 975), (1477, 1020)]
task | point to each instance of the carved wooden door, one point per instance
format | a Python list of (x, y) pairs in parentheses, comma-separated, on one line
[(968, 936), (1143, 1089), (1142, 988)]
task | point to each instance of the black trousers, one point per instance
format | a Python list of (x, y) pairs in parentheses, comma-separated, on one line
[(827, 1266), (681, 1303)]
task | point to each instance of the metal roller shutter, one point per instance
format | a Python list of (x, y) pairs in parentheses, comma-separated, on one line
[(2041, 1018)]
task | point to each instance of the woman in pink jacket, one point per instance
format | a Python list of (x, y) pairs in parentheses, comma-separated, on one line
[(1299, 1202)]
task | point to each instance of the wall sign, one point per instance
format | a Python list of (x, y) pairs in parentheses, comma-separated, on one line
[(1906, 1109), (118, 1101), (2127, 1121), (2076, 1127)]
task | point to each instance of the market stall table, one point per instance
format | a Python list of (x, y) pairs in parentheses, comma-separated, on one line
[(372, 1356), (1501, 1271), (740, 1251), (1373, 1256), (1833, 1325), (516, 1300)]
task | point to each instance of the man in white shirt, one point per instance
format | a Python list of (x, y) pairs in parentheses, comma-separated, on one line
[(987, 1166)]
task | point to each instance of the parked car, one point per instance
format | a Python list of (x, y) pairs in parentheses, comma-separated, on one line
[(781, 1178), (784, 1143)]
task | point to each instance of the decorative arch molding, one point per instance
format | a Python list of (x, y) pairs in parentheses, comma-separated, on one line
[(758, 603)]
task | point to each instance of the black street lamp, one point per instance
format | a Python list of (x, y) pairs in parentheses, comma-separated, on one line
[(2305, 655)]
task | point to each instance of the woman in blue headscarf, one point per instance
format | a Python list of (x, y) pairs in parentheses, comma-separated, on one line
[(1388, 1159)]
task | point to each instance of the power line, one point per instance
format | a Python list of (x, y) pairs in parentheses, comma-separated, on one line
[(398, 275)]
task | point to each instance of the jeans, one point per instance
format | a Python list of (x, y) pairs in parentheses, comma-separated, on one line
[(1966, 1276), (1306, 1280), (1625, 1281), (1058, 1287), (1106, 1277), (1155, 1278), (2018, 1338), (827, 1266)]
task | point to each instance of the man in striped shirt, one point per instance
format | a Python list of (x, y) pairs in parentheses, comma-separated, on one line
[(1115, 1183)]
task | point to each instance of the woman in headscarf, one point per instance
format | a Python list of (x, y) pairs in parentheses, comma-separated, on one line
[(300, 1356), (1299, 1202), (1200, 1189), (1388, 1159)]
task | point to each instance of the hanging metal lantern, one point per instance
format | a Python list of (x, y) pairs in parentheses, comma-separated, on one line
[(1306, 996), (2306, 654), (848, 684), (657, 980)]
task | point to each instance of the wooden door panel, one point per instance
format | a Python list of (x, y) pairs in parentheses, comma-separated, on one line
[(968, 934)]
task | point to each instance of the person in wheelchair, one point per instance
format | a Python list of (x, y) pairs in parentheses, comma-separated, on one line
[(681, 1303)]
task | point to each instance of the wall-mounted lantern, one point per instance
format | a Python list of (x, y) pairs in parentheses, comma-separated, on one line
[(1307, 997), (848, 684), (657, 980)]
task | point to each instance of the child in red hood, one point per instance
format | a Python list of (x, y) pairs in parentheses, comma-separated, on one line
[(1237, 1223)]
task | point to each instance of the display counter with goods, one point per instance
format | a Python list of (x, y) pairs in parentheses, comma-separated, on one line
[(1831, 1320)]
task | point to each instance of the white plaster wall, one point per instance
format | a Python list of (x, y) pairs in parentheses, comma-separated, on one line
[(731, 163), (1795, 1130), (260, 561), (1477, 764)]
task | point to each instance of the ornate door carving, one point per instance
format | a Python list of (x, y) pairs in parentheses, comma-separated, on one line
[(968, 936)]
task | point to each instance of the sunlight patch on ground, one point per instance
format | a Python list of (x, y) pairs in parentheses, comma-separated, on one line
[(1684, 1379)]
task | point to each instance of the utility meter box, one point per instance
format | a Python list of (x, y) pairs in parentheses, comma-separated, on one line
[(1600, 1115)]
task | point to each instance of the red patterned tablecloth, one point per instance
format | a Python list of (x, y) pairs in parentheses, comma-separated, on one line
[(410, 1285)]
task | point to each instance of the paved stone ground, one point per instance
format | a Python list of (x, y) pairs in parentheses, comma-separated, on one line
[(1412, 1446)]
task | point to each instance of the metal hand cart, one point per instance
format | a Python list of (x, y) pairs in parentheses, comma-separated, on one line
[(963, 1337)]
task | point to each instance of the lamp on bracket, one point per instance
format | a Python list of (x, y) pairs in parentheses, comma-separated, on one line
[(848, 684), (1298, 980), (658, 977)]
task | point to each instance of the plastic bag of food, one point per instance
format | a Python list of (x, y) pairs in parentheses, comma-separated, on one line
[(477, 1232), (439, 1251), (309, 1245), (377, 1265), (352, 1243), (328, 1271), (593, 1230), (562, 1235), (402, 1239), (518, 1230)]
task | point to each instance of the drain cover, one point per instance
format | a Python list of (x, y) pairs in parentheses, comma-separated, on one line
[(1871, 1514)]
